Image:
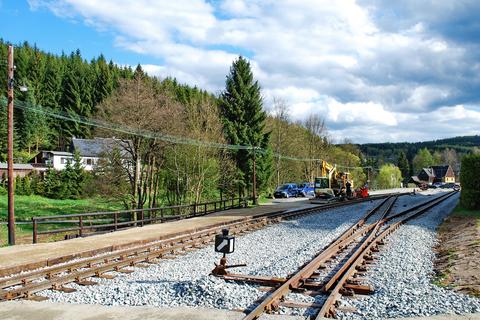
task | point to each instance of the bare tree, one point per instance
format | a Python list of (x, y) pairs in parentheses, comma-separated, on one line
[(450, 157), (137, 108), (316, 131), (281, 118)]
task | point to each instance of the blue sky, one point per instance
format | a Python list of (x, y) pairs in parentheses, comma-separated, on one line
[(374, 70), (53, 34)]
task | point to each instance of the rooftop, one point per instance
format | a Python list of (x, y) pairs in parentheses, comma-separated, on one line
[(17, 166), (96, 147)]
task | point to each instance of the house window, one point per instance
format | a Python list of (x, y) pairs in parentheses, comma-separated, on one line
[(63, 160), (89, 162)]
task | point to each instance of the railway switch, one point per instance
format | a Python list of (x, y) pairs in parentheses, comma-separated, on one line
[(224, 243)]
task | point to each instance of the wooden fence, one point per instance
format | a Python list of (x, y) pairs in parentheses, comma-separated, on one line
[(82, 224)]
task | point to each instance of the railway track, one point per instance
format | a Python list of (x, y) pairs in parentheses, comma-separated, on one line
[(337, 269), (26, 285)]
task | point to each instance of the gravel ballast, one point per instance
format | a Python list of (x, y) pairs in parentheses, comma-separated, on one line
[(401, 278), (277, 250), (403, 275)]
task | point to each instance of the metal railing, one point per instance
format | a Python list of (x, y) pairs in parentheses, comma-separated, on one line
[(97, 222)]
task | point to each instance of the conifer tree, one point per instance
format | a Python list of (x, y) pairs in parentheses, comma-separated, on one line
[(71, 100), (244, 123), (104, 81), (403, 165)]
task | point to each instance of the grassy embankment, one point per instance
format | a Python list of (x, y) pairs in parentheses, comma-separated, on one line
[(456, 256), (462, 212), (28, 206)]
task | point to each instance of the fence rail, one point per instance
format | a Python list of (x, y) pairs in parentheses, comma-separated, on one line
[(96, 222)]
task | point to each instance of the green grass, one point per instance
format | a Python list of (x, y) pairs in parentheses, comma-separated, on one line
[(28, 206), (462, 212)]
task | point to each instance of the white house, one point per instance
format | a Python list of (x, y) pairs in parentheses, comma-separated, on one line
[(90, 151)]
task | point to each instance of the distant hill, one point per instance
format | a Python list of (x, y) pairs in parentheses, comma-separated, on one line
[(389, 151)]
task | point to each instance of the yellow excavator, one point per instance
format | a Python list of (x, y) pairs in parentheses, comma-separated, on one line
[(331, 185)]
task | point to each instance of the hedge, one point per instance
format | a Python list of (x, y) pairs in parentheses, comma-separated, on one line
[(470, 180)]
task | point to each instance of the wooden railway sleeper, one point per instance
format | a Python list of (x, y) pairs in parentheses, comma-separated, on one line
[(114, 258)]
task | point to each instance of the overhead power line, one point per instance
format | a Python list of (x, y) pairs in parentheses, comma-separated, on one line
[(155, 135)]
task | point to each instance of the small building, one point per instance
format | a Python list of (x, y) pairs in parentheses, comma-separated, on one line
[(51, 159), (443, 174), (19, 170), (90, 151), (426, 175), (433, 174)]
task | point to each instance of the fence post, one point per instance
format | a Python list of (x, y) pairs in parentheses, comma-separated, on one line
[(161, 215), (80, 224), (194, 209), (205, 208), (142, 216), (35, 232), (115, 220), (232, 203)]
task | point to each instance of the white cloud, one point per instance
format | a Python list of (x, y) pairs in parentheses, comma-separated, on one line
[(342, 59), (353, 113)]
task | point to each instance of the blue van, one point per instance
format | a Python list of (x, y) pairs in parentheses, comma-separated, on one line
[(286, 190), (306, 189)]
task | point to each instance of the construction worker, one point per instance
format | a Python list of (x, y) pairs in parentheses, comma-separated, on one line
[(349, 189)]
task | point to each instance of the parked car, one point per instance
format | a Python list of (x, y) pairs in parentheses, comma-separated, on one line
[(438, 184), (286, 190), (451, 185), (306, 189)]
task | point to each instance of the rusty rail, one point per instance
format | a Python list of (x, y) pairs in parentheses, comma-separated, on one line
[(372, 233), (271, 302), (25, 285), (108, 221), (366, 249)]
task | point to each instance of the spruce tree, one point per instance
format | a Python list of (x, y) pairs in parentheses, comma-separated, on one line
[(71, 100), (104, 81), (244, 123), (403, 165)]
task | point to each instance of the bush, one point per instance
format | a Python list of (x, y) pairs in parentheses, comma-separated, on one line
[(470, 180), (3, 191), (389, 176), (27, 186), (70, 183), (37, 185), (19, 185)]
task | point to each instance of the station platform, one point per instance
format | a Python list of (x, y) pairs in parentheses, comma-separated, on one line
[(29, 310), (25, 257)]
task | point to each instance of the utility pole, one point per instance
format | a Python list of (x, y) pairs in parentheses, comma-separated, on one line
[(11, 208), (255, 200)]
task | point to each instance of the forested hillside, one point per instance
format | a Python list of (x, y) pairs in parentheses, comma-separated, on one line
[(188, 145), (67, 84), (389, 151)]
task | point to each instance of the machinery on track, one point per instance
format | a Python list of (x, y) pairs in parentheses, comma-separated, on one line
[(335, 185)]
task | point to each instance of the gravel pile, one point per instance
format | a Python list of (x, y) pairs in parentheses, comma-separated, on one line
[(277, 250), (403, 275)]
